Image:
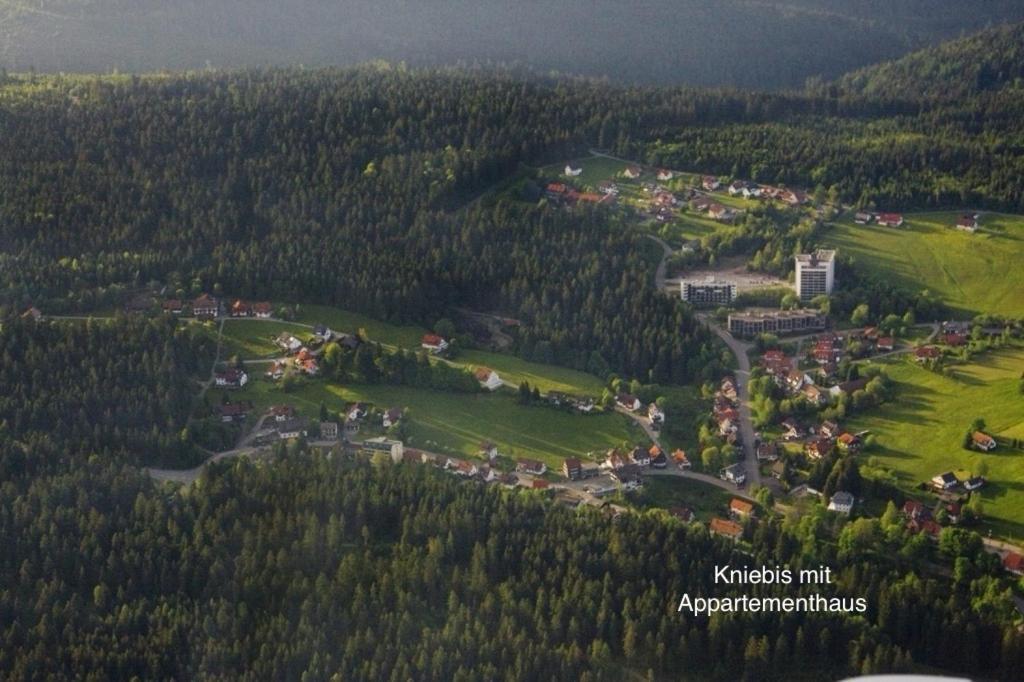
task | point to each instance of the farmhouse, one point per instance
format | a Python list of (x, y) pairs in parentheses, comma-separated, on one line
[(848, 442), (818, 448), (233, 412), (1014, 563), (291, 428), (740, 508), (230, 378), (281, 413), (863, 217), (391, 416), (287, 342), (664, 175), (885, 343), (726, 528), (945, 481), (974, 483), (487, 378), (628, 401), (954, 339), (890, 219), (263, 309), (710, 183), (173, 306), (205, 306), (572, 469), (433, 343), (240, 309), (767, 451), (719, 212), (633, 172), (967, 222), (983, 441), (329, 430), (531, 466), (733, 474), (925, 353), (681, 460), (841, 502)]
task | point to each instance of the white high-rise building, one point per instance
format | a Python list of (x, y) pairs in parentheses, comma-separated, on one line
[(815, 273)]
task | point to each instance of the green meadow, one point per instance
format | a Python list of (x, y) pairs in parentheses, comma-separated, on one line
[(919, 434), (249, 338), (456, 423), (973, 273)]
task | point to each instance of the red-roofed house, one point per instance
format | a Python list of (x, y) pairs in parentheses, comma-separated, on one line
[(488, 378), (726, 528), (740, 508), (890, 219), (1014, 563), (926, 353), (967, 223), (983, 441), (433, 343)]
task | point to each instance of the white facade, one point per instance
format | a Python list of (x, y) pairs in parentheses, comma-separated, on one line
[(815, 273)]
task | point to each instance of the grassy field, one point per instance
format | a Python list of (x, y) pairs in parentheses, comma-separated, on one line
[(255, 338), (456, 423), (973, 273), (514, 370), (672, 491), (919, 434), (595, 169), (347, 322)]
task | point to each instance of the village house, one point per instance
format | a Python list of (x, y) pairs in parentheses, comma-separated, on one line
[(655, 415), (733, 474), (914, 510), (740, 509), (640, 456), (633, 172), (710, 183), (726, 528), (572, 172), (233, 412), (1014, 563), (795, 379), (863, 217), (433, 343), (776, 363), (205, 306), (954, 339), (890, 219), (814, 395), (728, 389), (614, 460), (263, 309), (658, 458), (885, 343), (700, 204), (357, 411), (974, 483), (240, 308), (967, 222), (291, 428), (816, 448), (720, 212), (664, 175), (737, 186), (945, 481), (572, 469), (982, 441), (848, 387), (829, 428), (953, 512), (841, 502), (628, 401), (281, 413), (329, 430), (288, 342), (461, 467), (230, 378), (926, 525), (487, 378), (607, 187), (767, 451), (488, 450), (173, 306), (531, 466), (681, 460), (791, 429), (391, 416), (848, 443), (556, 190), (629, 477), (684, 514), (925, 353)]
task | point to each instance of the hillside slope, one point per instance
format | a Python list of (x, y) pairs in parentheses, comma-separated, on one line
[(761, 44), (988, 61)]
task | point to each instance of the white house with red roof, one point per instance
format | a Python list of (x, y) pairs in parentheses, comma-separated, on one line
[(434, 343)]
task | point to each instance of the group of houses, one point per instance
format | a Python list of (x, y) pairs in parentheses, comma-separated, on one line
[(725, 410), (630, 403), (581, 404), (919, 518), (886, 219), (207, 306), (752, 190), (712, 209), (948, 482), (822, 440), (567, 195)]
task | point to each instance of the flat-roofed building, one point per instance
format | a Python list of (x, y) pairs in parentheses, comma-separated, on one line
[(708, 292), (749, 324), (815, 273)]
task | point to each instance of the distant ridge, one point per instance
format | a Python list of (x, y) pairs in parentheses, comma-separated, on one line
[(990, 60)]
